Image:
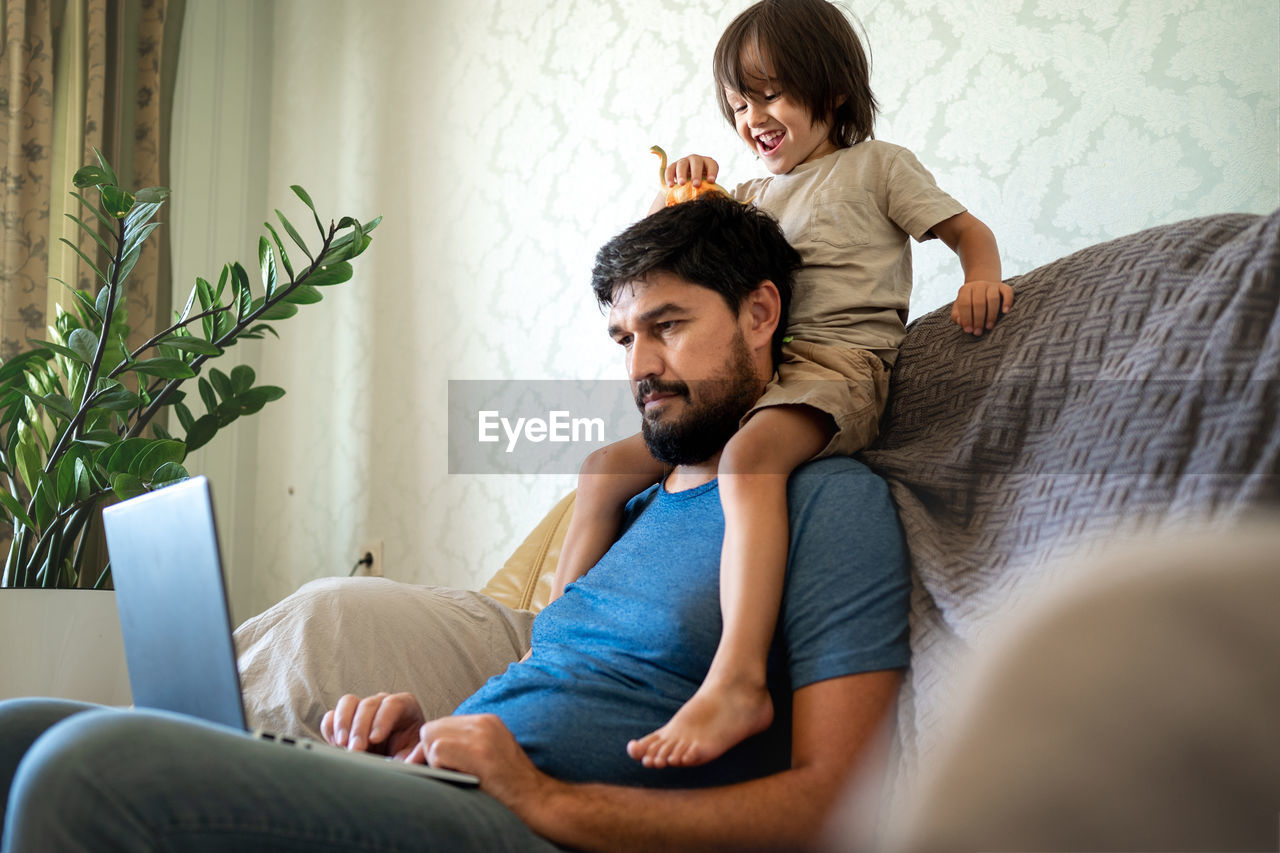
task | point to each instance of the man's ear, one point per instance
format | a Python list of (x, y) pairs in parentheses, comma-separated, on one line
[(761, 312)]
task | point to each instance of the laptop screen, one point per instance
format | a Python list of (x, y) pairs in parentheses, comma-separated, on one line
[(173, 604)]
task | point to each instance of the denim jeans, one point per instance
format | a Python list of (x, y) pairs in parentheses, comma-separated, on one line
[(80, 777)]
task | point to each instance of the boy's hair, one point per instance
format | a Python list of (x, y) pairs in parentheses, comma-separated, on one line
[(712, 241), (816, 57)]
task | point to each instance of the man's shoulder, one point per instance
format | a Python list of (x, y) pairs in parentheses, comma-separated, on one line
[(827, 498), (834, 475)]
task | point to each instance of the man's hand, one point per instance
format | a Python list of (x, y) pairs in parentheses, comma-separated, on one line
[(482, 745), (979, 304), (385, 723)]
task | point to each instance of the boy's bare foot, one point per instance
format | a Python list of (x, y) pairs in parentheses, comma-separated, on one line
[(715, 718)]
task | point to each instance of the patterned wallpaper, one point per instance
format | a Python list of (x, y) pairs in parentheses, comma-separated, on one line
[(504, 142)]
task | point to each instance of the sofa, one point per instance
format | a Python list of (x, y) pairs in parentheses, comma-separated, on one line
[(1132, 391)]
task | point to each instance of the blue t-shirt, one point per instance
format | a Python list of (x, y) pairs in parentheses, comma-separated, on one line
[(618, 654)]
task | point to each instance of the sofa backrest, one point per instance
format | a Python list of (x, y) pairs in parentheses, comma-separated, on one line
[(1131, 389)]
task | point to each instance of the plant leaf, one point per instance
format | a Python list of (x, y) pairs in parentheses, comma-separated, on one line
[(306, 199), (19, 363), (127, 486), (267, 262), (206, 394), (201, 431), (204, 291), (91, 176), (255, 398), (279, 311), (189, 343), (106, 167), (65, 476), (119, 399), (303, 294), (58, 348), (84, 343), (284, 256), (116, 201), (330, 274), (85, 258), (134, 243), (99, 438), (165, 368), (84, 480), (240, 287), (88, 311), (168, 474), (227, 412), (92, 232), (43, 503), (139, 214), (242, 377), (191, 299), (16, 509), (28, 459), (59, 405), (184, 416), (97, 214), (221, 383), (293, 234), (153, 195), (127, 263), (158, 452)]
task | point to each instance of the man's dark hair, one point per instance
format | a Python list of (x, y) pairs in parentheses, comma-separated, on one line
[(712, 241), (816, 57)]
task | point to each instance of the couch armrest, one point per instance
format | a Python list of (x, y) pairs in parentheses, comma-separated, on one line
[(524, 582)]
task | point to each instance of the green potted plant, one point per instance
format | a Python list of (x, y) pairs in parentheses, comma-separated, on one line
[(79, 413)]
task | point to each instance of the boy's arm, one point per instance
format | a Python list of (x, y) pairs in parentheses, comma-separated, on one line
[(610, 476), (983, 296), (834, 723)]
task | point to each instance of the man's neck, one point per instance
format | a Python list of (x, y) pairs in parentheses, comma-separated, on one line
[(685, 477)]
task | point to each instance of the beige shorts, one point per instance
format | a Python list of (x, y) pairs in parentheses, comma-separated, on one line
[(849, 384)]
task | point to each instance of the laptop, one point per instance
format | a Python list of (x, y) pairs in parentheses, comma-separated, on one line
[(175, 623)]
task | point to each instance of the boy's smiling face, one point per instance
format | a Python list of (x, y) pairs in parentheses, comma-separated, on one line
[(779, 130)]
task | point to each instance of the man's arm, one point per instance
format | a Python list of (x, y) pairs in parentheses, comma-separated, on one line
[(833, 723)]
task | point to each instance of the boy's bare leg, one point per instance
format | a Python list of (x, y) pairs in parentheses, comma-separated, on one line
[(733, 701), (609, 478)]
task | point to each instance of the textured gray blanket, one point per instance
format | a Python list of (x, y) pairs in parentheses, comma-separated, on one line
[(1135, 386)]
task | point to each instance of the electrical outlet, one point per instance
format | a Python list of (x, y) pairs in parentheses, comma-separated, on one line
[(372, 548)]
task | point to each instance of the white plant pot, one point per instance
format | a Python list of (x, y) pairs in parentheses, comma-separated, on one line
[(64, 643)]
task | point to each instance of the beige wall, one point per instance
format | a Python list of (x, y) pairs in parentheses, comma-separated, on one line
[(503, 142)]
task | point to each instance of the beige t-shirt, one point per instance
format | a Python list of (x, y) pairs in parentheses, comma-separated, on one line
[(849, 214)]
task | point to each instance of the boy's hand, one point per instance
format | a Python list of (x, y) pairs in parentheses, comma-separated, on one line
[(695, 168), (979, 303)]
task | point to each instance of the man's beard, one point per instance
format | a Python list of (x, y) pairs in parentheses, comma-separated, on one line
[(708, 421)]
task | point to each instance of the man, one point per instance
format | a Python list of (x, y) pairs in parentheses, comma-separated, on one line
[(697, 297)]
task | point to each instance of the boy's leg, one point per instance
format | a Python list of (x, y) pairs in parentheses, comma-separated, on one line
[(152, 781), (609, 478), (733, 702)]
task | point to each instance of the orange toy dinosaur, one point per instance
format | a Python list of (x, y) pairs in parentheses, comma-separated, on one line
[(682, 192)]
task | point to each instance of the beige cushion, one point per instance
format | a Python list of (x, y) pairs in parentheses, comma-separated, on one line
[(365, 635), (524, 583)]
